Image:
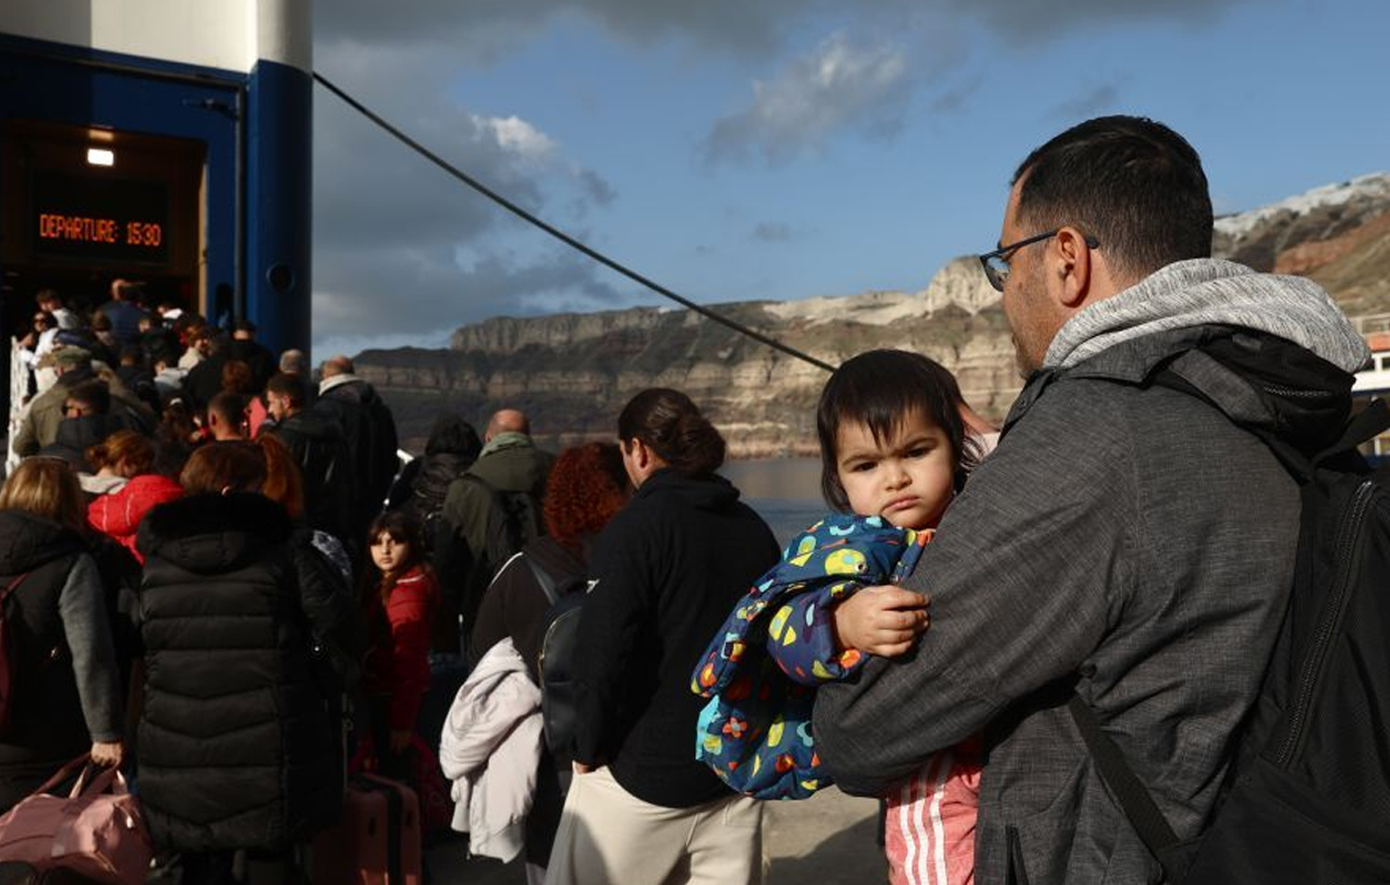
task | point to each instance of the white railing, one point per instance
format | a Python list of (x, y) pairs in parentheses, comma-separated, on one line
[(19, 389)]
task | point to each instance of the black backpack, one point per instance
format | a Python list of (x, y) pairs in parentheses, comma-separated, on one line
[(1307, 799), (559, 637), (513, 518)]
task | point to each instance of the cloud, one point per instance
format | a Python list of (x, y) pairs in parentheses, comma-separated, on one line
[(389, 224), (774, 232), (956, 97), (595, 187), (837, 86), (517, 136), (480, 31), (409, 294), (1102, 98), (1027, 22)]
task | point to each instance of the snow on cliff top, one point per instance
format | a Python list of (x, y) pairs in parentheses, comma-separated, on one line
[(1375, 185)]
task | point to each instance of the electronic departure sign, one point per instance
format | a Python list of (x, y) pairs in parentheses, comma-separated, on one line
[(99, 218)]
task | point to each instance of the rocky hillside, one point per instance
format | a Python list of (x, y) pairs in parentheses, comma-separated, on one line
[(573, 372)]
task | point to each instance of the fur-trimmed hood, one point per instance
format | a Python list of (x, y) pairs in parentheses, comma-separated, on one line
[(213, 533)]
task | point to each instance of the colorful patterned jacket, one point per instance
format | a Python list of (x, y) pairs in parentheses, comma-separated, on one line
[(778, 644)]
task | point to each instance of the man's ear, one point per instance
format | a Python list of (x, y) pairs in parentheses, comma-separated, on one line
[(640, 453), (1072, 266)]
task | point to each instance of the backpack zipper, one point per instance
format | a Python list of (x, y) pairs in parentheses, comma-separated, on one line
[(1327, 629)]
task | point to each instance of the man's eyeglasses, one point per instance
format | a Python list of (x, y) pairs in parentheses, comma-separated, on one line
[(996, 263)]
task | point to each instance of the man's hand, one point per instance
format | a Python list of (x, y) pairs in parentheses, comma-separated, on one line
[(883, 621), (581, 768)]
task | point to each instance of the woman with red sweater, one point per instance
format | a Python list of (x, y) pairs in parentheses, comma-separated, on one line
[(399, 604), (117, 514)]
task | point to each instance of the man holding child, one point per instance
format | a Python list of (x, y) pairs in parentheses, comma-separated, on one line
[(1126, 542)]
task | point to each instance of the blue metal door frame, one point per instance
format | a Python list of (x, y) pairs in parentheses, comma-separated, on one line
[(83, 87)]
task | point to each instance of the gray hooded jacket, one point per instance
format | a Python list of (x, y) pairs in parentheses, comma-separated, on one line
[(1124, 541)]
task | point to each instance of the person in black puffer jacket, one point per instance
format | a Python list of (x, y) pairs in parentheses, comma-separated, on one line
[(66, 698), (236, 735)]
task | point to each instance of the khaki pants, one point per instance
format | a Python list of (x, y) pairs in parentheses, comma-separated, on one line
[(609, 837)]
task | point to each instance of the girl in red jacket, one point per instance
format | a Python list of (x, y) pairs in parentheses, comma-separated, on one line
[(399, 602)]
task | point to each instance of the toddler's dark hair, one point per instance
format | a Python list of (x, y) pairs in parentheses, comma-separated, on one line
[(880, 389)]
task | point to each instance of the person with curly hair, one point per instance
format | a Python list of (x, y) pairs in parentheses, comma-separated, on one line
[(586, 488)]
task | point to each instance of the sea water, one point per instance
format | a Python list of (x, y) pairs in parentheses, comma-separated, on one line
[(784, 491)]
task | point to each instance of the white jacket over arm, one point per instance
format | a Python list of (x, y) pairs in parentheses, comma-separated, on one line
[(491, 750)]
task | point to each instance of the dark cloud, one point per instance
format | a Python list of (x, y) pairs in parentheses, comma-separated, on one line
[(1027, 22), (429, 292), (484, 29), (389, 224)]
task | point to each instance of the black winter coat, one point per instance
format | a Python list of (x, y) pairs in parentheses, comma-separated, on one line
[(330, 480), (668, 569), (370, 431), (238, 744), (431, 483)]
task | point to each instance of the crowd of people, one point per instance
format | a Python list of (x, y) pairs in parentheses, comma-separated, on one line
[(216, 576)]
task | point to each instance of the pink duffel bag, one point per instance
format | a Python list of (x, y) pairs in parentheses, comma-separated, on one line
[(95, 831)]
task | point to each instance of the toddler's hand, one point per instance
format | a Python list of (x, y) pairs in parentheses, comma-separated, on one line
[(883, 621)]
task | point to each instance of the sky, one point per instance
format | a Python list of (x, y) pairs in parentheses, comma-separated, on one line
[(778, 149)]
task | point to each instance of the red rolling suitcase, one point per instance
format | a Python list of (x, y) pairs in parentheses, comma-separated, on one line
[(377, 841)]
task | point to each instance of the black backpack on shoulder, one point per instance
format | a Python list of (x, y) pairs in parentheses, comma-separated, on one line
[(513, 518), (559, 639), (1307, 799)]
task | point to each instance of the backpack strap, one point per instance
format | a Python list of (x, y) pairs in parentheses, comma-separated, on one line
[(1366, 426), (547, 583), (1131, 794), (11, 587)]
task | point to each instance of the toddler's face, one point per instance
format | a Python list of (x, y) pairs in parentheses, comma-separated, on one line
[(907, 479)]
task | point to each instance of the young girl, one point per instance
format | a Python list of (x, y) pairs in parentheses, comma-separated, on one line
[(402, 594), (894, 452)]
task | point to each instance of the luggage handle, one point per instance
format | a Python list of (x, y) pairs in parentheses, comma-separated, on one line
[(64, 773), (110, 778)]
